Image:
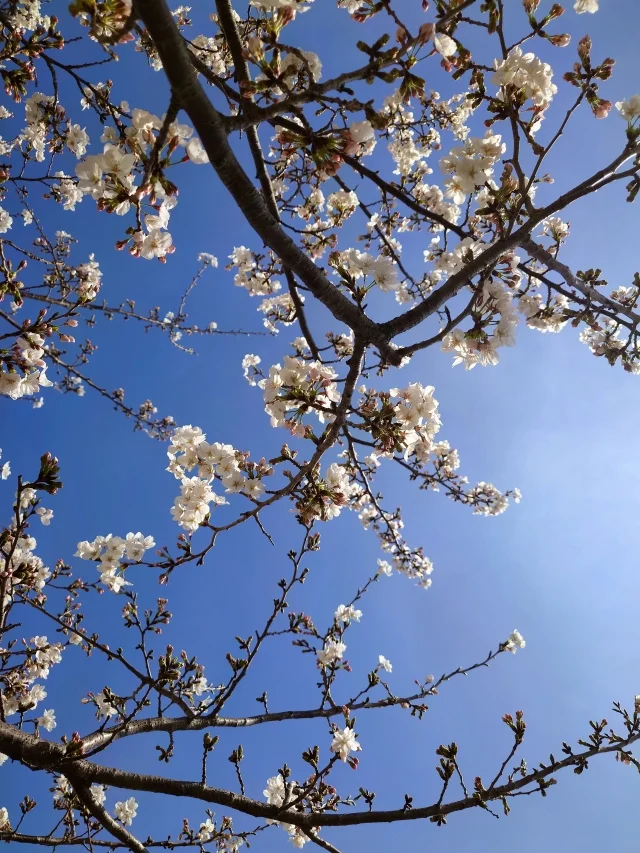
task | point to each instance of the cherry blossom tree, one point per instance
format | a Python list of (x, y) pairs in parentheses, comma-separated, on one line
[(340, 182)]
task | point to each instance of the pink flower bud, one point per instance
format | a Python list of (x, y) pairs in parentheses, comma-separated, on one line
[(602, 109), (286, 15), (426, 32), (584, 48), (561, 40)]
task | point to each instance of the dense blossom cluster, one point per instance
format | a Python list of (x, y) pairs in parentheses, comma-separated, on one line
[(380, 271), (190, 450), (20, 693), (403, 422), (117, 177), (292, 390), (112, 553), (28, 371), (528, 74), (470, 165)]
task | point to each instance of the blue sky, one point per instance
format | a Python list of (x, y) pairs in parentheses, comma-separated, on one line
[(561, 567)]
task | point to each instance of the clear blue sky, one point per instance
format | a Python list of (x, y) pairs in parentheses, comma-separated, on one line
[(561, 567)]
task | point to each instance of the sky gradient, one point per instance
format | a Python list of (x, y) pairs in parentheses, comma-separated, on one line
[(561, 567)]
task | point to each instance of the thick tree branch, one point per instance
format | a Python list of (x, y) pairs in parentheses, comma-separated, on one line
[(83, 792), (414, 316), (43, 755), (230, 30), (209, 125), (83, 841)]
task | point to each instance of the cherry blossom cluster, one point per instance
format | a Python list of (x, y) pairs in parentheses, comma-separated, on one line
[(226, 840), (470, 165), (277, 310), (323, 498), (353, 265), (125, 811), (5, 468), (495, 312), (406, 431), (408, 425), (296, 388), (20, 693), (24, 569), (249, 275), (360, 139), (529, 77), (277, 793), (295, 71), (112, 554), (27, 369), (256, 275), (190, 450), (24, 365), (404, 424), (499, 321), (606, 340), (130, 152), (515, 642), (407, 151)]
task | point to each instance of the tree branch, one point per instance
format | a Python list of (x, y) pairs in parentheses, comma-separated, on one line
[(210, 127), (44, 755), (83, 792), (541, 254)]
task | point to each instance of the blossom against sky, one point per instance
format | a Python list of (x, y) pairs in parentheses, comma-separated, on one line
[(548, 419)]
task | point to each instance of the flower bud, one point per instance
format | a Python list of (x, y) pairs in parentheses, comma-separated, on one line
[(584, 48), (254, 47), (286, 15), (606, 69), (426, 32), (601, 108)]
